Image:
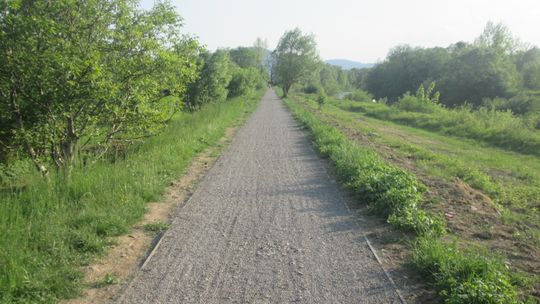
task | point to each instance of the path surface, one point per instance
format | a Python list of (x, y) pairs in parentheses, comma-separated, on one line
[(266, 225)]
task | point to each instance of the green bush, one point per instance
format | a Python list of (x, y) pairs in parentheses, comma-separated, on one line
[(463, 276), (522, 104), (412, 103), (244, 81), (360, 95), (321, 100), (314, 89)]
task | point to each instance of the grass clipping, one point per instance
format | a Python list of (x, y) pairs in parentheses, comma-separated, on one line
[(396, 194)]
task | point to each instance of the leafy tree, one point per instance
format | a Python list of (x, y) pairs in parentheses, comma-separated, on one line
[(213, 81), (357, 78), (328, 77), (244, 81), (246, 57), (495, 65), (528, 64), (296, 59), (261, 48), (498, 37), (74, 74), (405, 69), (476, 74)]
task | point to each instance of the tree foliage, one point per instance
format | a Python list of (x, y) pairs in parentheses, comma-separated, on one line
[(295, 57), (213, 80), (75, 75), (496, 65), (478, 73)]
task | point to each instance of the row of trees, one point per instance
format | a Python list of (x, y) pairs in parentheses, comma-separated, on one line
[(89, 75), (496, 70), (496, 64), (227, 74)]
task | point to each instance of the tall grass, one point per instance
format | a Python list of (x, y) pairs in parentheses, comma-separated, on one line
[(493, 127), (50, 228)]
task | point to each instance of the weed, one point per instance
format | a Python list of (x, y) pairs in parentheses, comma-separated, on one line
[(156, 227), (463, 276), (108, 279)]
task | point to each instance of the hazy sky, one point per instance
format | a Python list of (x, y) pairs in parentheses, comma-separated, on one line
[(362, 30)]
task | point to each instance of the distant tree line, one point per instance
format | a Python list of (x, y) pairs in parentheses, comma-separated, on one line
[(496, 71), (495, 65), (82, 77)]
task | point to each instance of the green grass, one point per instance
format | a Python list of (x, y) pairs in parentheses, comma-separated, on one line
[(471, 276), (156, 227), (108, 279), (496, 128), (48, 229)]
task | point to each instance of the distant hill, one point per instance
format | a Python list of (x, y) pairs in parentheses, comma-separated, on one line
[(349, 64)]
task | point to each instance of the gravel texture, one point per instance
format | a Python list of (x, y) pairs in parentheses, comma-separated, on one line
[(266, 225)]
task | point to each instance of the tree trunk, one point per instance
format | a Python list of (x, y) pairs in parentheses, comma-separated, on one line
[(68, 147), (286, 89)]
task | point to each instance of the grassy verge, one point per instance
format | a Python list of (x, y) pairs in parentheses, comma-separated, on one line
[(496, 128), (51, 228), (511, 180), (460, 276), (388, 190)]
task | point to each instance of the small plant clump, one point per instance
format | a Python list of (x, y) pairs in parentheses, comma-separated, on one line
[(321, 100), (461, 276), (109, 279), (156, 227)]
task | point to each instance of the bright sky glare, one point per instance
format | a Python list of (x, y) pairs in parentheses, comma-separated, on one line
[(361, 30)]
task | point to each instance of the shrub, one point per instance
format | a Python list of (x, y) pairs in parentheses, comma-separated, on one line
[(521, 104), (321, 100), (360, 95), (244, 81), (415, 104), (314, 89)]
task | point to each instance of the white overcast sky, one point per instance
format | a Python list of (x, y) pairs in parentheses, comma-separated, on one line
[(362, 30)]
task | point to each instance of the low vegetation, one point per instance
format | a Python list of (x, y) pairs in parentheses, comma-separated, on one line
[(464, 276), (500, 128)]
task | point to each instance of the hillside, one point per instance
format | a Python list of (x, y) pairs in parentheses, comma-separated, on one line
[(349, 64)]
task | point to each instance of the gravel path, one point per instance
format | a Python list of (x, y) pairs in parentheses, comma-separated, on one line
[(266, 225)]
